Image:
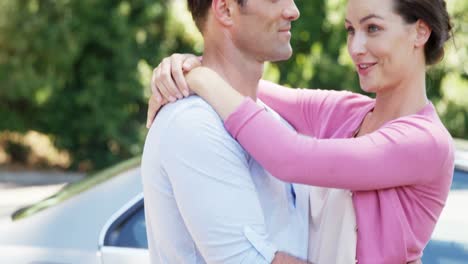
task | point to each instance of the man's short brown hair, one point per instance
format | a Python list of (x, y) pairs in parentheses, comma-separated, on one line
[(199, 10)]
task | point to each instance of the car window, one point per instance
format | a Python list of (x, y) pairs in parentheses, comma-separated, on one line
[(460, 180), (437, 252), (129, 230)]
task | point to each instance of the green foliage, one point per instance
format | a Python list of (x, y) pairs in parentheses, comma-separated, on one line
[(319, 59), (449, 80), (69, 69)]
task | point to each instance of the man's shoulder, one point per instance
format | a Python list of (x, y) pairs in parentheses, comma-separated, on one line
[(190, 112), (190, 105), (190, 125), (190, 120)]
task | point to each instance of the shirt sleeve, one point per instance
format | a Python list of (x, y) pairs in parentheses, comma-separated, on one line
[(403, 152), (214, 190), (312, 111)]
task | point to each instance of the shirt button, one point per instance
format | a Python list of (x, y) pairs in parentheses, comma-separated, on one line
[(355, 261), (356, 229), (351, 194)]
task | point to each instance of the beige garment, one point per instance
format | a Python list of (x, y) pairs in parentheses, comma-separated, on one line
[(332, 234)]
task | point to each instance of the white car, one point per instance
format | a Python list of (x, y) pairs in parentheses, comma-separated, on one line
[(100, 220)]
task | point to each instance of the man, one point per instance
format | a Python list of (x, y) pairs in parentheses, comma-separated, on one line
[(206, 199)]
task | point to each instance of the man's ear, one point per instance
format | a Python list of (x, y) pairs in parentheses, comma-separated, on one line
[(222, 11), (423, 32)]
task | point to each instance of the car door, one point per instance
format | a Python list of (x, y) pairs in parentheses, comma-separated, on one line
[(123, 239)]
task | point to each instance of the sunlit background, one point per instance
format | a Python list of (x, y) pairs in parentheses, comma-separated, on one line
[(74, 74)]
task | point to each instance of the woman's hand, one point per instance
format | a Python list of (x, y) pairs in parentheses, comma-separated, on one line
[(168, 78), (168, 82), (153, 108)]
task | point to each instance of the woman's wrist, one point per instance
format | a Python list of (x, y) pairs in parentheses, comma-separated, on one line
[(194, 79), (215, 90)]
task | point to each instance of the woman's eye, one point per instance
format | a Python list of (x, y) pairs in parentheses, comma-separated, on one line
[(372, 28), (350, 30)]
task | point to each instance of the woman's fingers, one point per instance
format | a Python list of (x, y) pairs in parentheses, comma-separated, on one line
[(164, 80), (168, 80), (153, 107), (180, 86), (190, 63), (154, 88)]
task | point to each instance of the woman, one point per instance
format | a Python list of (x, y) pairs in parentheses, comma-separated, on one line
[(393, 152)]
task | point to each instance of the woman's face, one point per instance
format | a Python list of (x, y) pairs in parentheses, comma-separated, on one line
[(380, 43)]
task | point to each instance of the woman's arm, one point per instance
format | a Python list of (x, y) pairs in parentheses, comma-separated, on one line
[(401, 153), (300, 107), (286, 102), (303, 107)]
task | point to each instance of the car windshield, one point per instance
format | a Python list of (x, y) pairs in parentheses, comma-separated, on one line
[(76, 188)]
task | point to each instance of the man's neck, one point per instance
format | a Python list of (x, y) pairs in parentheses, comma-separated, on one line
[(242, 73)]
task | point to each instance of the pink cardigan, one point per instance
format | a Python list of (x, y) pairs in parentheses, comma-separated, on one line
[(400, 175)]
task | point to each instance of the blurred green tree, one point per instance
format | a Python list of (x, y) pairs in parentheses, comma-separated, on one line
[(320, 58), (70, 69)]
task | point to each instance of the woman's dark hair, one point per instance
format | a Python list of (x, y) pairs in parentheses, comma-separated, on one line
[(199, 10), (434, 14)]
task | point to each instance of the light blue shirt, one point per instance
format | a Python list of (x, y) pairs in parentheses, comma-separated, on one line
[(208, 201)]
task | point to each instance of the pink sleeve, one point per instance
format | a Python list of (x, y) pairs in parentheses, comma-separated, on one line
[(303, 107), (403, 152), (285, 101)]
